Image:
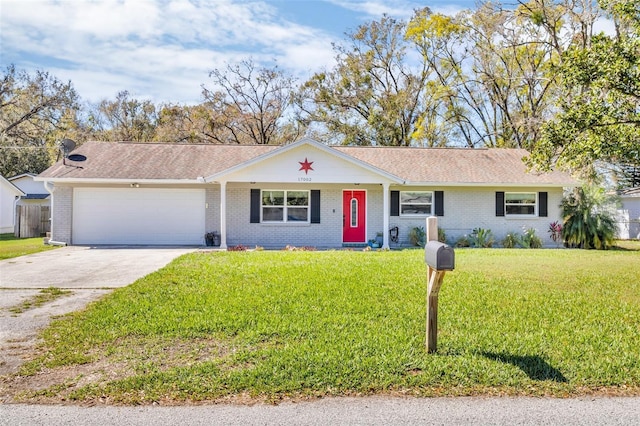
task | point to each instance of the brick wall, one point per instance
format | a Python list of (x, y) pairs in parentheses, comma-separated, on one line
[(466, 209), (62, 214), (327, 233)]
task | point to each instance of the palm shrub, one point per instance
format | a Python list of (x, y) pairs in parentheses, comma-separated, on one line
[(481, 238), (588, 220), (511, 240), (417, 236), (530, 239)]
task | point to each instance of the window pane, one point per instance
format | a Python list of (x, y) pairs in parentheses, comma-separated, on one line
[(297, 214), (272, 214), (298, 198), (520, 209), (416, 209), (415, 197), (273, 198), (520, 198), (354, 213)]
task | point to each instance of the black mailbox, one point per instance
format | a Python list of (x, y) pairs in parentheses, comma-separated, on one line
[(439, 256)]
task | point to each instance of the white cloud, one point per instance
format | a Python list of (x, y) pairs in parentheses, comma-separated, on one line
[(158, 50), (402, 9), (604, 25), (376, 8)]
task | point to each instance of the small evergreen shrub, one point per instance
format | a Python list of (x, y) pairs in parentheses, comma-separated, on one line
[(530, 239), (417, 236), (442, 236), (463, 242), (481, 238), (511, 240)]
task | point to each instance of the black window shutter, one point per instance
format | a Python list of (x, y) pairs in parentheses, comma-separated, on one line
[(315, 206), (439, 210), (255, 206), (395, 203), (542, 204), (499, 203)]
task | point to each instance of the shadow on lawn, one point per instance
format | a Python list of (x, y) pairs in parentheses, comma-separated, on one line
[(532, 365)]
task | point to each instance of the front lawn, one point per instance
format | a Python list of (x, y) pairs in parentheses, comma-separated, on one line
[(11, 246), (270, 325)]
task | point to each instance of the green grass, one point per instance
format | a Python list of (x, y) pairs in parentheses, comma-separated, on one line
[(11, 246), (44, 296), (268, 325)]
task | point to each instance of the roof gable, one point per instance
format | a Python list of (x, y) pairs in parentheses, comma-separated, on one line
[(306, 160), (29, 186), (9, 187)]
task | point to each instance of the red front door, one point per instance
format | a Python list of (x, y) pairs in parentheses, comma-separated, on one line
[(354, 205)]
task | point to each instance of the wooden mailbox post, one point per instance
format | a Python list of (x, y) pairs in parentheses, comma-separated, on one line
[(440, 258)]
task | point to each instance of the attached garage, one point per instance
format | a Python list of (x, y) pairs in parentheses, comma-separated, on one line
[(146, 216)]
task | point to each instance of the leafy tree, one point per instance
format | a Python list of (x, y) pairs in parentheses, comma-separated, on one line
[(373, 95), (588, 219), (192, 124), (124, 119), (35, 111), (495, 68), (599, 118), (250, 105)]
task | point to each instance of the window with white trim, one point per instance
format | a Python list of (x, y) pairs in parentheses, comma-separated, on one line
[(285, 206), (416, 203), (520, 203)]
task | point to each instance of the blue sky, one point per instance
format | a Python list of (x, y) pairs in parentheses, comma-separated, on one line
[(163, 50)]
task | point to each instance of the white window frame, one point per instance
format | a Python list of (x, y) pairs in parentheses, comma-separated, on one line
[(285, 207), (431, 204), (535, 204)]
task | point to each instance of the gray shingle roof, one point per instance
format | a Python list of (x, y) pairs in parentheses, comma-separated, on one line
[(121, 160), (456, 165), (109, 160)]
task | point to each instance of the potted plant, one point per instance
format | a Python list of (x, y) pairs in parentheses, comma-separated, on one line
[(212, 239)]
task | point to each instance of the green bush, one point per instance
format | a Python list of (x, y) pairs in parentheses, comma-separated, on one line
[(417, 236), (463, 241), (588, 223), (511, 240), (481, 238), (530, 239)]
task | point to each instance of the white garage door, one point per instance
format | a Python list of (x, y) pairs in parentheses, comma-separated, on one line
[(138, 216)]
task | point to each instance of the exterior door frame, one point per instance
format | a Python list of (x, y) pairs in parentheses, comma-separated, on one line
[(354, 234)]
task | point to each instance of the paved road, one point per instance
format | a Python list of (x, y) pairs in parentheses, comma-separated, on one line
[(346, 411), (89, 273)]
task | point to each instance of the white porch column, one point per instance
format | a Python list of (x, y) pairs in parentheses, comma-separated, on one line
[(385, 215), (223, 215)]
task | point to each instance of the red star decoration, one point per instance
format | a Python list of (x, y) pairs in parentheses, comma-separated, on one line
[(306, 165)]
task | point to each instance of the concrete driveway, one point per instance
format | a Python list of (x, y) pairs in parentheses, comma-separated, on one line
[(88, 272)]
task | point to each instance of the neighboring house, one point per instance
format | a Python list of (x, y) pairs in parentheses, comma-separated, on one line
[(34, 191), (629, 227), (302, 194), (9, 196), (32, 212)]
